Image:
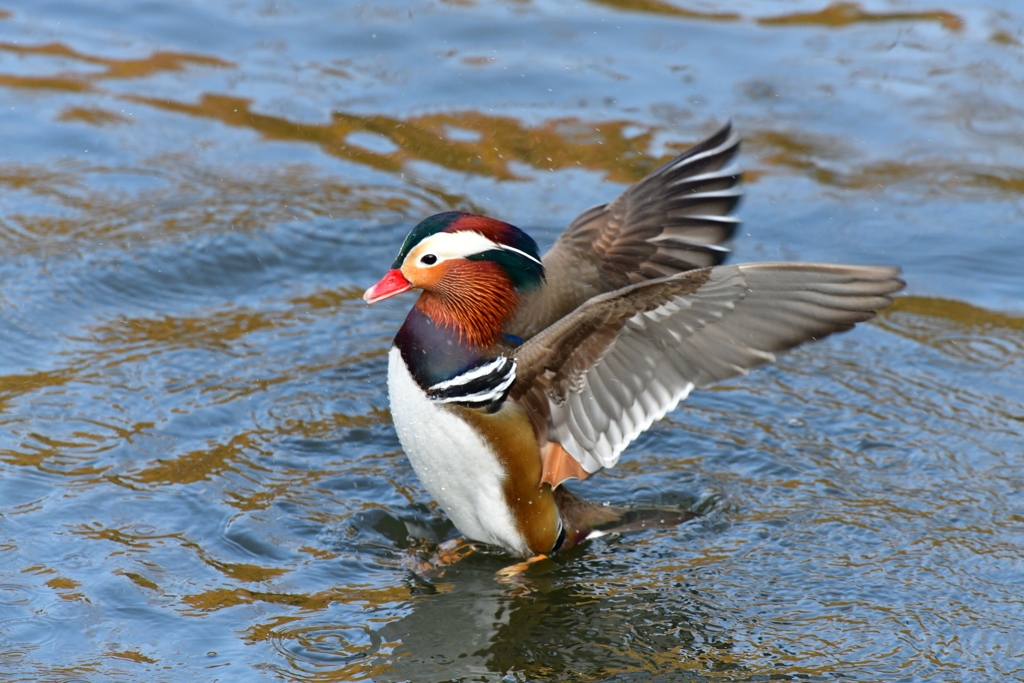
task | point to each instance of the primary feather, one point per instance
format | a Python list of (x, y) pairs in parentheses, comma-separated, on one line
[(603, 374), (675, 219)]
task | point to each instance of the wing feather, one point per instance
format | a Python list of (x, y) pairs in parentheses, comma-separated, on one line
[(603, 374), (673, 220)]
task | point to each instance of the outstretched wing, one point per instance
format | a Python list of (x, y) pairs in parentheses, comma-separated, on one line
[(603, 374), (674, 220)]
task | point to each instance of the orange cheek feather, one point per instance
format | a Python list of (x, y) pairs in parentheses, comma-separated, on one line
[(475, 298), (424, 278)]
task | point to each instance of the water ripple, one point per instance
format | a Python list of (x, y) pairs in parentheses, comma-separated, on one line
[(199, 479), (315, 643)]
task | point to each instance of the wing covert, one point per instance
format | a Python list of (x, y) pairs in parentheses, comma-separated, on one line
[(602, 375)]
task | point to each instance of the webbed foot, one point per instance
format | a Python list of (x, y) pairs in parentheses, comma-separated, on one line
[(429, 560), (515, 575)]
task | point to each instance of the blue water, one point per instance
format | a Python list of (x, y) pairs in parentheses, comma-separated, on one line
[(198, 475)]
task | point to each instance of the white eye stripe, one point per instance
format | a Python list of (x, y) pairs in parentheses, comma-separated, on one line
[(522, 253), (451, 245)]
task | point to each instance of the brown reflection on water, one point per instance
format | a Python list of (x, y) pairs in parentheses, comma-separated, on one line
[(466, 141), (243, 571), (141, 542), (120, 341), (117, 355), (183, 199), (241, 454), (203, 464), (114, 68), (657, 7), (93, 116), (61, 455), (67, 83), (828, 161), (320, 647), (963, 336), (835, 15), (555, 144), (213, 331), (15, 386), (961, 313), (846, 13), (218, 599)]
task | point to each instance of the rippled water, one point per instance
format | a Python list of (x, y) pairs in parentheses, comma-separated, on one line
[(198, 475)]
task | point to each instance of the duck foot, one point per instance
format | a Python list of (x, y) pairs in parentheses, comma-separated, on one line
[(428, 560), (515, 575)]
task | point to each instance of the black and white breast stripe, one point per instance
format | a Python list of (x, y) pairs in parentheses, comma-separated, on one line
[(478, 387)]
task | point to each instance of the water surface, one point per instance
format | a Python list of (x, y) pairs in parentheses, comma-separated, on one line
[(198, 475)]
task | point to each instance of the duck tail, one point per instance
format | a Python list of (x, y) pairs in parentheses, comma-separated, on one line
[(584, 520)]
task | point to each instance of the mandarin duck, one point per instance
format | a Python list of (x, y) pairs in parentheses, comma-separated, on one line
[(514, 372)]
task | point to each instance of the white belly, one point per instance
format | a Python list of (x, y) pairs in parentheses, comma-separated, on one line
[(454, 463)]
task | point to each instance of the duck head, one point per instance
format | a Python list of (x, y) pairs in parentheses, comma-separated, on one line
[(472, 270)]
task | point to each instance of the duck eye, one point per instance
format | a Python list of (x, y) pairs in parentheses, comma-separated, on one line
[(428, 259)]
